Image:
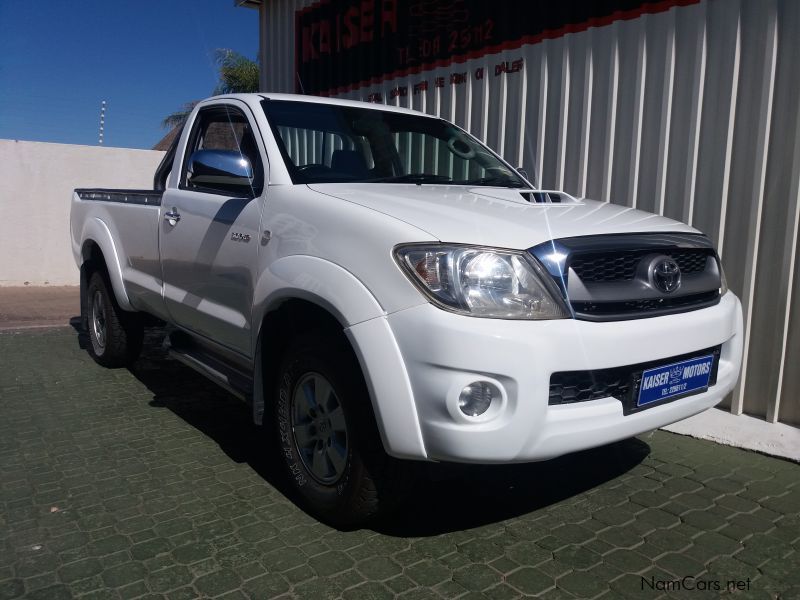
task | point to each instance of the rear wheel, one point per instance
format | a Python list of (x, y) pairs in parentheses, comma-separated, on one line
[(327, 434), (115, 337)]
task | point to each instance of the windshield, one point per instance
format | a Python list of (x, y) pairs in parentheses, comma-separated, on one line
[(328, 143)]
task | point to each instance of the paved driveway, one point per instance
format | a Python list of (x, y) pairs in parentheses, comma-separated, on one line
[(153, 483)]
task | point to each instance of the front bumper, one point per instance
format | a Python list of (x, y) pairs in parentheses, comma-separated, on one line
[(443, 352)]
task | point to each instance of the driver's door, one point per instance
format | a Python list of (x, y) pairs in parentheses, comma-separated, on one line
[(209, 233)]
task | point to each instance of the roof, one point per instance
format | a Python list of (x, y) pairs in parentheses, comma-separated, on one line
[(323, 100), (165, 142)]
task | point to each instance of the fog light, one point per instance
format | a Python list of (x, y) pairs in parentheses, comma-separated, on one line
[(476, 398)]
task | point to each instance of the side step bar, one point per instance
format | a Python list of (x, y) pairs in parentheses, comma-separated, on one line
[(228, 377)]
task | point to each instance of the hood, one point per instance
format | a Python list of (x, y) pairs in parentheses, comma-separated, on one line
[(499, 217)]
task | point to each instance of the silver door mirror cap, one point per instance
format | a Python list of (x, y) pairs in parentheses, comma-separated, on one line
[(220, 169)]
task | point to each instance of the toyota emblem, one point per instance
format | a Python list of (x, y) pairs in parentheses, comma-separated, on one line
[(666, 274)]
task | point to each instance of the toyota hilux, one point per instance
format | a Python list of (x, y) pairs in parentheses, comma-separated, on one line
[(381, 287)]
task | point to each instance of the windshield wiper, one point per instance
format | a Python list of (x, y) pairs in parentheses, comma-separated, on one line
[(411, 178), (494, 181)]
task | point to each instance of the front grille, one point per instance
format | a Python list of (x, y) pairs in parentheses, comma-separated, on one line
[(622, 265), (690, 261), (613, 277), (622, 383), (646, 306), (569, 387), (607, 266)]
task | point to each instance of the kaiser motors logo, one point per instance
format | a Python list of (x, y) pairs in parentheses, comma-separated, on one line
[(676, 374), (666, 274), (678, 379)]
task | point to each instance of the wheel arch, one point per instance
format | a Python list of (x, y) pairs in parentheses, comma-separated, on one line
[(324, 296), (98, 250), (288, 318), (92, 261)]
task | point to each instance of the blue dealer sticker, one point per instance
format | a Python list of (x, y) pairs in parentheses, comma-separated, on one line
[(677, 379)]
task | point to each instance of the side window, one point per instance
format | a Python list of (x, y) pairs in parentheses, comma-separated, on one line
[(221, 136)]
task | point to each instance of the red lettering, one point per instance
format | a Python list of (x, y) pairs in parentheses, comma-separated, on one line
[(309, 52), (425, 48), (439, 82), (325, 37), (402, 55), (479, 73), (350, 37), (367, 20), (364, 22), (388, 16), (422, 86)]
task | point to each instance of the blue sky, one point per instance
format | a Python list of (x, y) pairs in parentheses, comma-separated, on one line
[(60, 58)]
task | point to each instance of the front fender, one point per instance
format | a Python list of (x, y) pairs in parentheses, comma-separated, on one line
[(364, 321), (316, 280), (97, 231)]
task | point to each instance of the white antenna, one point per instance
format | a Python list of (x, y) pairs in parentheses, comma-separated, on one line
[(102, 121)]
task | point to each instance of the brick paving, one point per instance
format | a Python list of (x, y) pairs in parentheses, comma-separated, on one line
[(152, 483)]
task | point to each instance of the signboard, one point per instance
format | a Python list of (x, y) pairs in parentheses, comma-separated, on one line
[(346, 44), (678, 379)]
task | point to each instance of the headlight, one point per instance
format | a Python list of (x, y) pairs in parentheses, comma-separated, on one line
[(482, 282)]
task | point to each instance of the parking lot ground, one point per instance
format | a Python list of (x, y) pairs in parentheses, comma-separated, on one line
[(28, 307), (153, 483)]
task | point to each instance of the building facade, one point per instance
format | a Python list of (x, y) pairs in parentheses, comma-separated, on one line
[(687, 108)]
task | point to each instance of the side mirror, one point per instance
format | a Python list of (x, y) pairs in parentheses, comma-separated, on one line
[(221, 170), (524, 173)]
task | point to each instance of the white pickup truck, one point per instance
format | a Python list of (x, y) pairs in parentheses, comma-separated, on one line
[(381, 287)]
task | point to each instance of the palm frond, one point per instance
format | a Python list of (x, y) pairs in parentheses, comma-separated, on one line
[(178, 118), (237, 74)]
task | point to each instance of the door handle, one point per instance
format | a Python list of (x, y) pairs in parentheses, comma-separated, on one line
[(172, 216)]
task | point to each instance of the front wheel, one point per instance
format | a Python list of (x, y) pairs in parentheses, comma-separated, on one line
[(327, 434), (115, 337)]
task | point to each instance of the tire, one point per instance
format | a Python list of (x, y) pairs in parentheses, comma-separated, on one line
[(115, 336), (330, 446)]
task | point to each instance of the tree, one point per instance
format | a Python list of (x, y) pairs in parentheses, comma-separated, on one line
[(178, 118), (237, 75)]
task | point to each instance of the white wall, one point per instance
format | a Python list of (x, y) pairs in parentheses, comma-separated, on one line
[(36, 183), (692, 112)]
